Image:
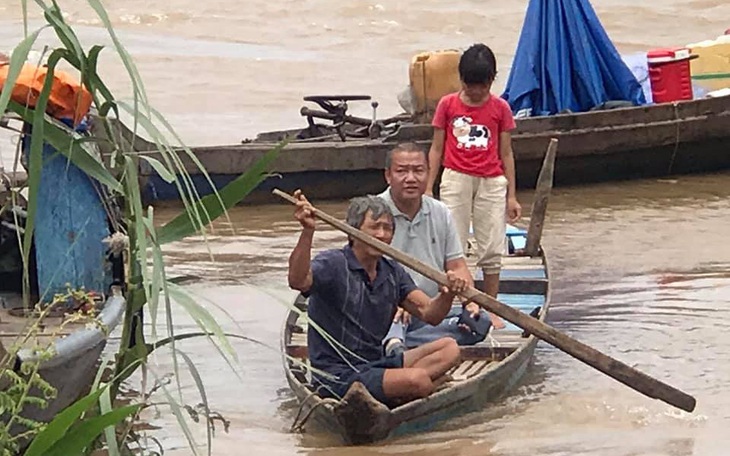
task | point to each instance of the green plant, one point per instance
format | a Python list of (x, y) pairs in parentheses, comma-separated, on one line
[(72, 433), (20, 390), (24, 386), (146, 283)]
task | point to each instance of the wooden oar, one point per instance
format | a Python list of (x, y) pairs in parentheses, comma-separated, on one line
[(613, 368)]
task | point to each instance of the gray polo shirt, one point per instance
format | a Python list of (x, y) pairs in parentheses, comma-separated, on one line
[(430, 237)]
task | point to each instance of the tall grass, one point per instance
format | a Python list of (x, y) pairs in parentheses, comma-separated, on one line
[(147, 284)]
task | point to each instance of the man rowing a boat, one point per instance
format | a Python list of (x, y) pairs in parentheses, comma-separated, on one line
[(354, 293), (425, 229)]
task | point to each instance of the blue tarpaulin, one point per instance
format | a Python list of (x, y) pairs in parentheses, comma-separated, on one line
[(566, 61)]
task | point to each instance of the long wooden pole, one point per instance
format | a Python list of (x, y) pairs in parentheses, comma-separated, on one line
[(625, 374)]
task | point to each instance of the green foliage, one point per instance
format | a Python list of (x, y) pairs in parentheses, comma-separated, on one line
[(75, 430), (25, 387), (70, 432)]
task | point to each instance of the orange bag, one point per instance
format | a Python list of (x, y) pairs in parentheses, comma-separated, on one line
[(69, 100)]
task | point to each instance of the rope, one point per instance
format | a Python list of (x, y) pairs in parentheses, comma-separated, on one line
[(298, 424), (492, 341), (299, 427), (676, 138)]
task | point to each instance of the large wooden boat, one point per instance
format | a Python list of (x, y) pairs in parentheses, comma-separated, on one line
[(347, 158)]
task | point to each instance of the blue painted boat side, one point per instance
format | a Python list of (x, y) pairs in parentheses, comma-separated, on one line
[(316, 184), (71, 224)]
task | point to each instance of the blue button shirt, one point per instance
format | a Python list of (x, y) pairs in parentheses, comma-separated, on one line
[(351, 309)]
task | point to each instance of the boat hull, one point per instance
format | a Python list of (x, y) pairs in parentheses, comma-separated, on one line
[(708, 156), (627, 143), (73, 362)]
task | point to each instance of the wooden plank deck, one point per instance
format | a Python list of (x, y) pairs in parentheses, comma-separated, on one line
[(13, 328)]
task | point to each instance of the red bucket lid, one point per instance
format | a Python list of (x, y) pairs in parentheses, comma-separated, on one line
[(667, 54)]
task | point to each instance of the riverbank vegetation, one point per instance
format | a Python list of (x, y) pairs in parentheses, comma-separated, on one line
[(105, 418)]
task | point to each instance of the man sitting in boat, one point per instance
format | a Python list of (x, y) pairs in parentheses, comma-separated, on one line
[(353, 296), (424, 229)]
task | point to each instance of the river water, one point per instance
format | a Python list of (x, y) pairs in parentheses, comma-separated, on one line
[(641, 269)]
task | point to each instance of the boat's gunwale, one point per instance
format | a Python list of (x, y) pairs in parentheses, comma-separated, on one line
[(529, 130), (493, 368), (82, 340)]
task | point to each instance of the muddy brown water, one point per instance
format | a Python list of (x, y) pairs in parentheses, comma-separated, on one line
[(641, 271)]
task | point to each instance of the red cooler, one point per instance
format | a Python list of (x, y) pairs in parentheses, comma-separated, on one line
[(669, 73)]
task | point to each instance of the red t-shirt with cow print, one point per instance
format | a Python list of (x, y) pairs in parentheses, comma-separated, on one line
[(472, 134)]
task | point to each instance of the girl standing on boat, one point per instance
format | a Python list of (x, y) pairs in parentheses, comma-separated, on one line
[(472, 141)]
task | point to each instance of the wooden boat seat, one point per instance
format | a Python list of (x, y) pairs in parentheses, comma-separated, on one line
[(509, 261), (523, 275), (514, 285), (523, 272), (468, 369)]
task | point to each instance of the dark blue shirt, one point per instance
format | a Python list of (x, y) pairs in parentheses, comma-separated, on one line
[(354, 311)]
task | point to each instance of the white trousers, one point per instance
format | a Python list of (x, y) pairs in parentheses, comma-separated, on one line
[(481, 201)]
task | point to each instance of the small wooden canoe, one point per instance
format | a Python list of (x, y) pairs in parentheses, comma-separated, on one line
[(487, 370)]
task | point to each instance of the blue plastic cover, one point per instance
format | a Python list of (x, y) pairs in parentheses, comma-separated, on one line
[(566, 61)]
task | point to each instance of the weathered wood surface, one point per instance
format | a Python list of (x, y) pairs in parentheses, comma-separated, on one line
[(539, 204), (627, 143), (330, 156), (71, 224), (519, 285), (617, 370), (359, 155), (592, 133), (626, 116), (640, 116)]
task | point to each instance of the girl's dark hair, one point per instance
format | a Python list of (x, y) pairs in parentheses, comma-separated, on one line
[(478, 65)]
